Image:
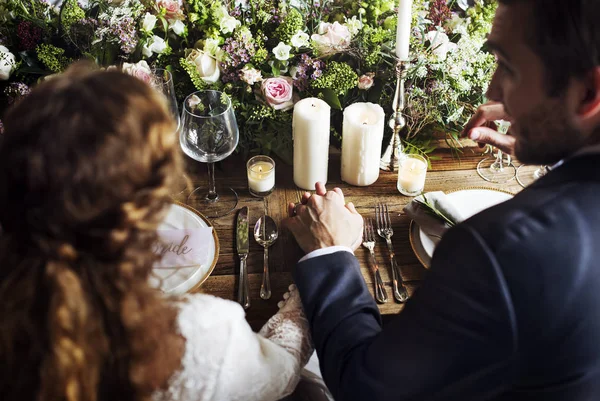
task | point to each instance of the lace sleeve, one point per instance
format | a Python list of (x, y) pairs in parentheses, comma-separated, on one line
[(289, 327), (224, 360)]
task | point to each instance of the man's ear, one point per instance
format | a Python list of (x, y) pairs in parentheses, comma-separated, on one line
[(588, 101)]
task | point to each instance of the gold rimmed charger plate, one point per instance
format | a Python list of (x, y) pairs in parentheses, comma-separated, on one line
[(201, 279), (415, 231)]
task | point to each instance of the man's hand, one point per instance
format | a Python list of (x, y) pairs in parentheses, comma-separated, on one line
[(323, 220), (477, 131)]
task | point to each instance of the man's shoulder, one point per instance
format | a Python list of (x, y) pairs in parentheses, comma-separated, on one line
[(537, 213)]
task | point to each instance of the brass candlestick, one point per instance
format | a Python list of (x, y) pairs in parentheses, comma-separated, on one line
[(389, 160)]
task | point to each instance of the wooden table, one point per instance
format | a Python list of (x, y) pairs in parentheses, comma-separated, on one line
[(446, 174)]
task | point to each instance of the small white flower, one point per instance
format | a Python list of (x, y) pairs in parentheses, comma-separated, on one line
[(149, 22), (155, 44), (354, 25), (282, 51), (228, 24), (300, 39), (7, 63), (177, 26), (440, 44), (211, 46)]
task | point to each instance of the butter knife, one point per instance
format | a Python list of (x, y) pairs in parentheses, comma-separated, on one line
[(243, 246)]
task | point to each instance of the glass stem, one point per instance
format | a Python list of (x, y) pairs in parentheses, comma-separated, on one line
[(212, 195)]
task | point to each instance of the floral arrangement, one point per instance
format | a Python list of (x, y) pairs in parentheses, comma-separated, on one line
[(266, 54)]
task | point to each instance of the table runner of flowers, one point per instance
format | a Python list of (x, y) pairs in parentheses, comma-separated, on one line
[(266, 54)]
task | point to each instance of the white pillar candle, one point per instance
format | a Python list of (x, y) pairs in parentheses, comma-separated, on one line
[(403, 29), (310, 131), (411, 175), (261, 175), (362, 135)]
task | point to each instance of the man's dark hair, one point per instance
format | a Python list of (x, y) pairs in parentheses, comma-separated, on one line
[(565, 34)]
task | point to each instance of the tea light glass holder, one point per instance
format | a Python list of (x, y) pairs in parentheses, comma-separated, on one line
[(261, 175), (411, 174)]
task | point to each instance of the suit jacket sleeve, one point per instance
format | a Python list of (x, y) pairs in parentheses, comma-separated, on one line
[(456, 336)]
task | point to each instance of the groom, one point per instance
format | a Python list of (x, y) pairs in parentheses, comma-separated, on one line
[(511, 307)]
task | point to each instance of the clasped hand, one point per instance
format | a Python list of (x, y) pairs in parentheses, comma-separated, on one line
[(324, 219)]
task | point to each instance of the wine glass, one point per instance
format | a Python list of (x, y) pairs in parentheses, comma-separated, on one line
[(498, 169), (162, 81), (526, 177), (209, 133)]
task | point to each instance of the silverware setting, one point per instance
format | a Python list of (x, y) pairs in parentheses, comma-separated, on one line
[(385, 231), (265, 233), (243, 248), (369, 243)]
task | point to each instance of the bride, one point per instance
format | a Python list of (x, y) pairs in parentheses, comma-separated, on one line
[(86, 165)]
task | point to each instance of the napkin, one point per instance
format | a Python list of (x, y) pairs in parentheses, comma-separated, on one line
[(433, 225)]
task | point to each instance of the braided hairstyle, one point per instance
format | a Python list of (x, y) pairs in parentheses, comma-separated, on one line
[(86, 167)]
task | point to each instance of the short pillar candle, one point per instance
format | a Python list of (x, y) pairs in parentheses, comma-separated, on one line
[(261, 175), (411, 174)]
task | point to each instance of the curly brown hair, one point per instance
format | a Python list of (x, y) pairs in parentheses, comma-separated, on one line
[(86, 167)]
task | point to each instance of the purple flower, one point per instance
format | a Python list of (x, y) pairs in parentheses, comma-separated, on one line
[(1, 128), (15, 91)]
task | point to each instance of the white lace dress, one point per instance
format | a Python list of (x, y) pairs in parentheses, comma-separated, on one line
[(225, 360)]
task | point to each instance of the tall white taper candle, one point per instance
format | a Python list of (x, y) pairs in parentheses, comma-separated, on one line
[(403, 29)]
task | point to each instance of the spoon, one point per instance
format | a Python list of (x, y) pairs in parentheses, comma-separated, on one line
[(265, 233)]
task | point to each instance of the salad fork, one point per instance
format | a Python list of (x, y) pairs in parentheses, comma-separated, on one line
[(369, 243), (384, 229)]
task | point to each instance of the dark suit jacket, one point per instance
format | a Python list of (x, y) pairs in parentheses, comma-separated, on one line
[(509, 311)]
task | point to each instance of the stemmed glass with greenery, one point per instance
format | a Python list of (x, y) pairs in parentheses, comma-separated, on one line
[(209, 133), (499, 169)]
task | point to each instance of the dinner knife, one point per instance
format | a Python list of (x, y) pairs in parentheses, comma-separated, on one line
[(243, 246)]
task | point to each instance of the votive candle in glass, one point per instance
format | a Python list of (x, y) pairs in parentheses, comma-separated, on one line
[(411, 174), (261, 175)]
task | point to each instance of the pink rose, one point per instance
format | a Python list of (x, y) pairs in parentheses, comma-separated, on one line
[(366, 81), (172, 9), (332, 38), (278, 92), (140, 70)]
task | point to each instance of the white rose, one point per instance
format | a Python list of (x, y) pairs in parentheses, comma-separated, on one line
[(335, 38), (228, 24), (149, 22), (440, 44), (177, 26), (300, 39), (206, 65), (251, 75), (354, 25), (7, 63), (282, 51), (322, 28)]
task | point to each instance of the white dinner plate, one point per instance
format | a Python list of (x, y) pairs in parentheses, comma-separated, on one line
[(468, 202), (177, 280)]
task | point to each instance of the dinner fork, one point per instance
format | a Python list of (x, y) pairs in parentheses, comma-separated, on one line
[(384, 229), (369, 243)]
